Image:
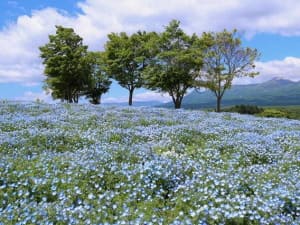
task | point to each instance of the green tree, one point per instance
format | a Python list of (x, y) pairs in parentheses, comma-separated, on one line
[(176, 65), (126, 58), (99, 81), (65, 64), (224, 60)]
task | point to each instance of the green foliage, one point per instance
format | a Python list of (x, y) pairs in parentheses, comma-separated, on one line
[(115, 138), (290, 112), (245, 109), (225, 59), (8, 127), (240, 221), (187, 142), (126, 58), (65, 64), (274, 113), (255, 158), (99, 82), (39, 143), (174, 67)]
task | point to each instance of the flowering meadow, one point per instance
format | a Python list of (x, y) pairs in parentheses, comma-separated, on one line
[(84, 164)]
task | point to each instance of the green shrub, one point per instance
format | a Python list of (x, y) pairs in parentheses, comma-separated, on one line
[(293, 112), (274, 113), (245, 109)]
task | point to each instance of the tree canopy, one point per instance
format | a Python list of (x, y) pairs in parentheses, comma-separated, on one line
[(126, 58), (224, 60), (99, 81), (171, 62), (176, 64), (65, 64)]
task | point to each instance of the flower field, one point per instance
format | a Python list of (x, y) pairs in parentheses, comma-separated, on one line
[(84, 164)]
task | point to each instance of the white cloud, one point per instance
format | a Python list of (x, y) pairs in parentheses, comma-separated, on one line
[(23, 73), (34, 96), (141, 97), (19, 41), (152, 96), (288, 68), (251, 16), (19, 55)]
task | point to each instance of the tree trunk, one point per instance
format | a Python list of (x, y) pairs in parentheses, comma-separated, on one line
[(69, 96), (76, 98), (177, 103), (130, 96), (176, 100), (219, 104), (97, 100)]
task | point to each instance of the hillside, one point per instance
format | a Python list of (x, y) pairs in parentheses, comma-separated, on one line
[(277, 92), (86, 164)]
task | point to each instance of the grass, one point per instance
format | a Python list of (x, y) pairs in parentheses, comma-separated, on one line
[(291, 112)]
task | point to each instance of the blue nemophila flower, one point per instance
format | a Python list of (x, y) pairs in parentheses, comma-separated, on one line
[(82, 164)]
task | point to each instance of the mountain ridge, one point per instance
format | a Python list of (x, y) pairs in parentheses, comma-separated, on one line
[(275, 92)]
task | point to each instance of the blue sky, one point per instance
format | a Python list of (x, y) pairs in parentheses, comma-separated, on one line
[(12, 9), (271, 26)]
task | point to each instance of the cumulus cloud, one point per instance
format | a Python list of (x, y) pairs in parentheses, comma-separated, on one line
[(19, 55), (19, 41), (288, 68), (251, 16)]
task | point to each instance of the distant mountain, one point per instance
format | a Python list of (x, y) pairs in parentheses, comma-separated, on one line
[(276, 92)]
